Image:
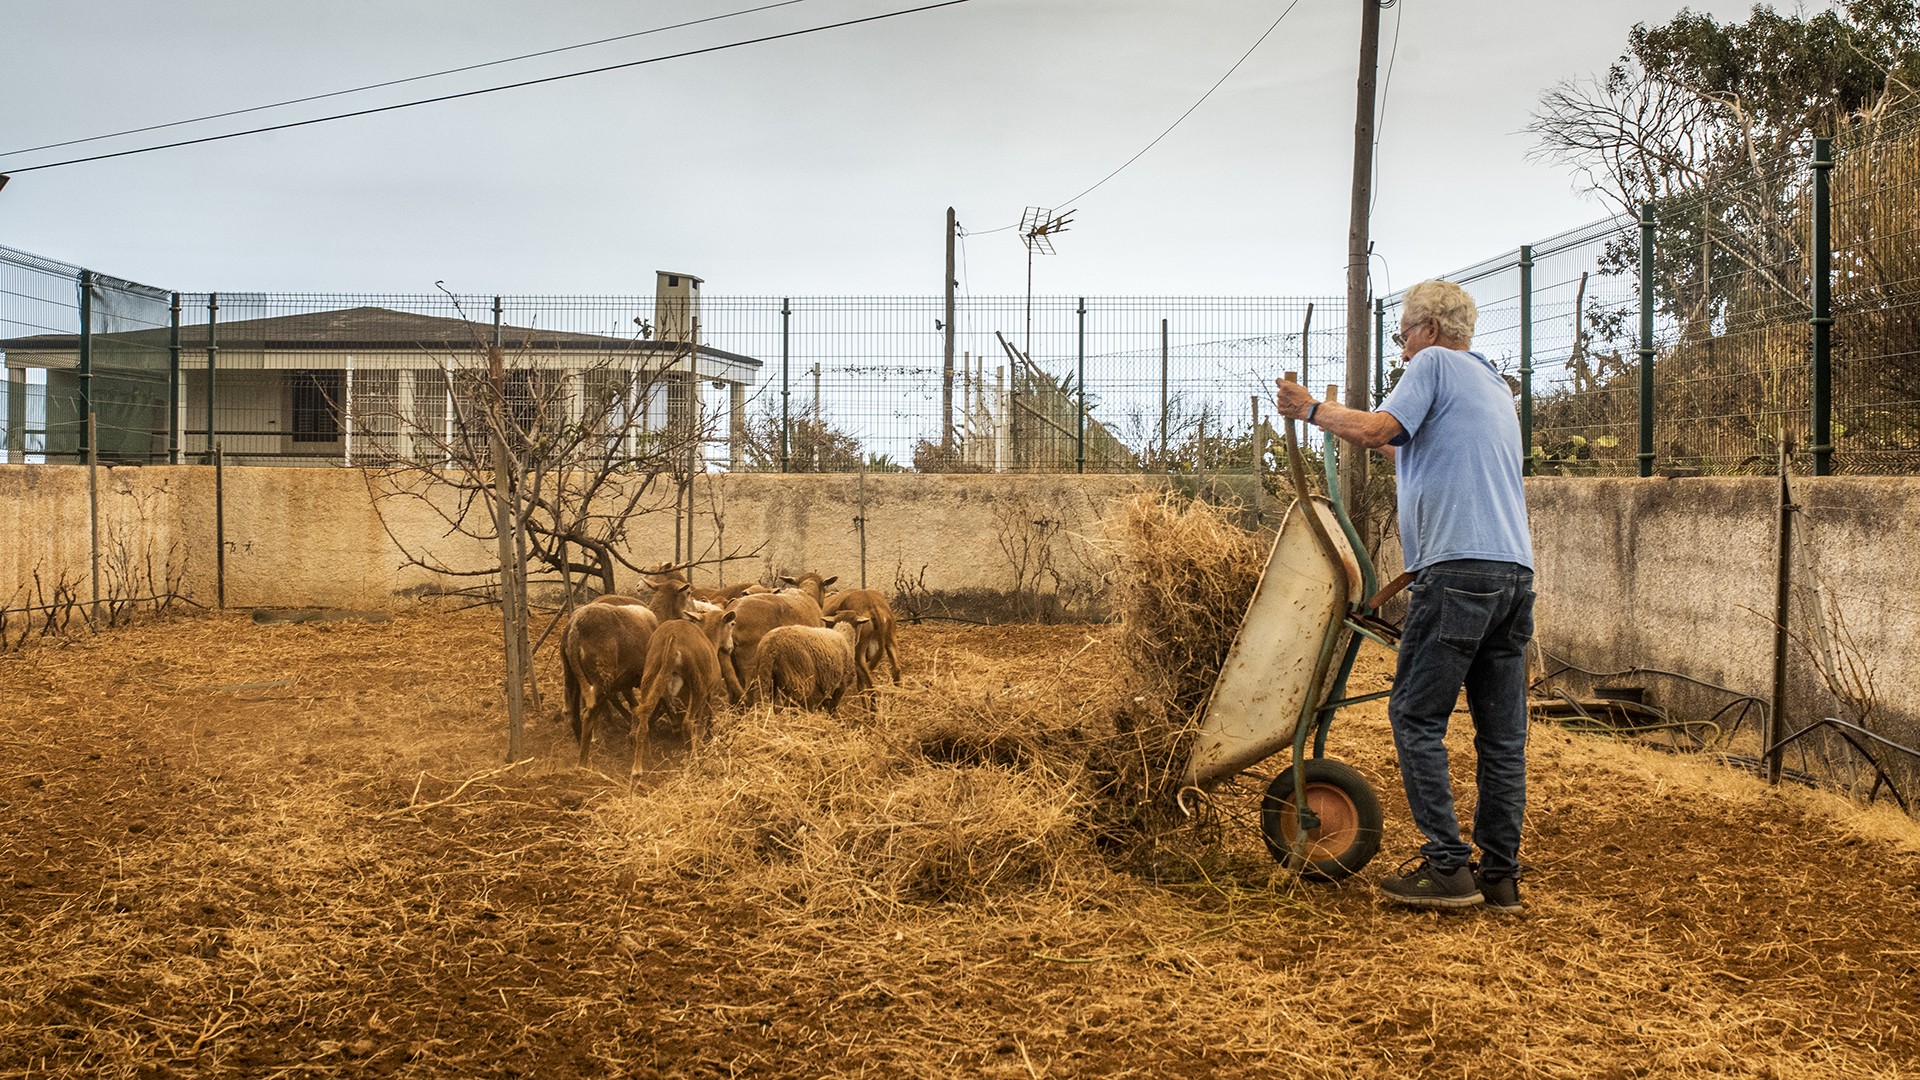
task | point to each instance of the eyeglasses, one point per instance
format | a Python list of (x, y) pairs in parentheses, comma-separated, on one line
[(1400, 337)]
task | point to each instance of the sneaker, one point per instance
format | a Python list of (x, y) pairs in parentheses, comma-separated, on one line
[(1501, 894), (1419, 884)]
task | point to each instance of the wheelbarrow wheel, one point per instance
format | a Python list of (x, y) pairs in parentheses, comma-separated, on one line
[(1348, 833)]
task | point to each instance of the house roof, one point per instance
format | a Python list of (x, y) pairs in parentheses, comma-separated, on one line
[(369, 328)]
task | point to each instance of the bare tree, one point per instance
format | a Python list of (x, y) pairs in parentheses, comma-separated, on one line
[(550, 449)]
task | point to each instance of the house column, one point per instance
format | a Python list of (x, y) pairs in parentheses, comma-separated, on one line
[(736, 426), (16, 415), (571, 398), (403, 409)]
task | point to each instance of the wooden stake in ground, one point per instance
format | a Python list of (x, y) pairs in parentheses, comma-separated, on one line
[(505, 526)]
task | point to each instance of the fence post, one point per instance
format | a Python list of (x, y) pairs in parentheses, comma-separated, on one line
[(1782, 609), (173, 383), (786, 420), (213, 312), (1379, 352), (93, 511), (1259, 464), (1080, 388), (1526, 359), (1822, 316), (219, 463), (85, 403), (1163, 393), (1646, 339)]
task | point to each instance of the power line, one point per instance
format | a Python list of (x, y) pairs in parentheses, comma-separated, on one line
[(1170, 127), (1189, 112), (496, 89), (400, 82)]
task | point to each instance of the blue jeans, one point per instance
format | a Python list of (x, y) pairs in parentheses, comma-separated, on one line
[(1468, 623)]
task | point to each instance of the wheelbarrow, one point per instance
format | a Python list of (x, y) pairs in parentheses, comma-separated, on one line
[(1285, 678)]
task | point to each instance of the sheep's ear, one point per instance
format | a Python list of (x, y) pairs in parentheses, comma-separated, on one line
[(727, 617), (861, 619), (828, 581), (789, 581), (829, 623)]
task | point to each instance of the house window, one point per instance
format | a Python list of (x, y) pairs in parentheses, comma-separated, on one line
[(316, 406)]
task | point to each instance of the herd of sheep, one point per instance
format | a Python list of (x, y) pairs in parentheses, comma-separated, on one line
[(673, 653)]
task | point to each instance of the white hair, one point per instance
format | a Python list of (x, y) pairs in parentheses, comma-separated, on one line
[(1445, 303)]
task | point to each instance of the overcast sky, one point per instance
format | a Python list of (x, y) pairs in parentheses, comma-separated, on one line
[(816, 165)]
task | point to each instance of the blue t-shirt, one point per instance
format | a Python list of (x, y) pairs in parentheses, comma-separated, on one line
[(1459, 462)]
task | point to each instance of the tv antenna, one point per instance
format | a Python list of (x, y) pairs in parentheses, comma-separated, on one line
[(1038, 226)]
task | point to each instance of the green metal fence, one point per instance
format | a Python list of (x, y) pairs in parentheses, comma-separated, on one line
[(95, 371), (795, 384), (1702, 336), (1875, 228), (1780, 305)]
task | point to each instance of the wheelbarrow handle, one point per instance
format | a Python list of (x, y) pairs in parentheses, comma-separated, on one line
[(1392, 589)]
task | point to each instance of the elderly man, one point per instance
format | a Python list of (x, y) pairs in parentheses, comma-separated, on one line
[(1463, 529)]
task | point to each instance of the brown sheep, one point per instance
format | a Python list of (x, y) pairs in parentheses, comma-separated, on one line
[(811, 666), (719, 597), (723, 595), (603, 654), (761, 612), (876, 637), (665, 603), (670, 599), (811, 585), (683, 673)]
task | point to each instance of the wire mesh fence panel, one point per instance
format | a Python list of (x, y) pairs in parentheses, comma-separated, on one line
[(38, 302), (1585, 384), (802, 384), (1731, 289), (1876, 299), (128, 361), (83, 348), (1055, 384)]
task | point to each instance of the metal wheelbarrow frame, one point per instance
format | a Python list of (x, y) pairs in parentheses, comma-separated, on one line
[(1286, 676)]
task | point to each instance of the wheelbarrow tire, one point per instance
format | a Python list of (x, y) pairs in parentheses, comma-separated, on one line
[(1348, 836)]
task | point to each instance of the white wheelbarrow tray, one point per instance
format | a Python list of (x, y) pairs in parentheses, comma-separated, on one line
[(1280, 670)]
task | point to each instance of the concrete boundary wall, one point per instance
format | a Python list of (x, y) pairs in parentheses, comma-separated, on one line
[(1680, 574), (313, 536), (1672, 574)]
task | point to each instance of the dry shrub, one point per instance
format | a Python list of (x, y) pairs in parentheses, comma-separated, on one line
[(1186, 574)]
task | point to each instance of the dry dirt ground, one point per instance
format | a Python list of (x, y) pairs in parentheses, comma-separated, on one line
[(296, 851)]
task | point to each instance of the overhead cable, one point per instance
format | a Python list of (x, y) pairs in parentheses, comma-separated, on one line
[(1156, 139), (494, 89), (398, 82)]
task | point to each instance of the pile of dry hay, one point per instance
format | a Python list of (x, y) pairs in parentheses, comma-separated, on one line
[(1187, 572), (976, 781)]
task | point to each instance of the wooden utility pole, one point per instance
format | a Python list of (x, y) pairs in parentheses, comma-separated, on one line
[(1353, 466), (946, 366)]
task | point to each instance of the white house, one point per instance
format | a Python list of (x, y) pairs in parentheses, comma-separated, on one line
[(302, 388)]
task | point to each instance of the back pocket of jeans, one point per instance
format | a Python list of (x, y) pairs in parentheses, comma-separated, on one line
[(1465, 618), (1523, 620)]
